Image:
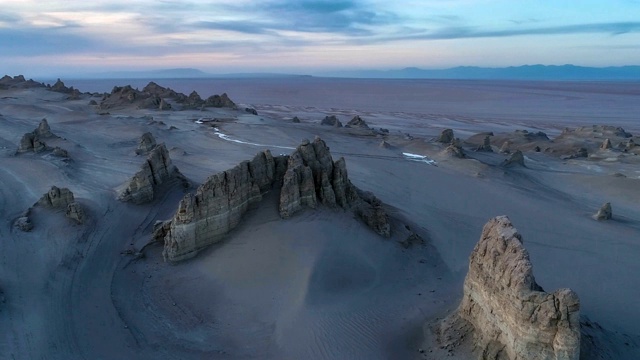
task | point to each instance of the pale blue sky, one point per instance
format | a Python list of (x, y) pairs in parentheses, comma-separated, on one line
[(306, 36)]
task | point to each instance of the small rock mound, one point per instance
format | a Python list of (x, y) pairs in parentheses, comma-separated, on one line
[(76, 212), (146, 143), (446, 137), (385, 145), (486, 145), (155, 171), (357, 122), (516, 159), (454, 150), (295, 120), (606, 144), (510, 314), (331, 121), (251, 111), (604, 213)]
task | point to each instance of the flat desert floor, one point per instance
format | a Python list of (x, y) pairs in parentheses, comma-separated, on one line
[(319, 285)]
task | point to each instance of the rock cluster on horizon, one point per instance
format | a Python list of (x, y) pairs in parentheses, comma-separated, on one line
[(18, 81), (155, 171), (154, 96), (511, 315), (307, 178)]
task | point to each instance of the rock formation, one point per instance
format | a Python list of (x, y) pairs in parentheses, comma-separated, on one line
[(446, 137), (296, 120), (146, 143), (604, 213), (385, 145), (357, 122), (156, 170), (454, 150), (60, 152), (511, 315), (33, 141), (18, 81), (516, 159), (251, 111), (154, 96), (56, 198), (486, 145), (62, 198), (24, 223), (307, 178), (606, 144), (581, 153), (506, 147), (331, 121)]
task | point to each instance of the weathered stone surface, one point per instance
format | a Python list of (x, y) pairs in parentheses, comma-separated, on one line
[(220, 101), (446, 137), (516, 159), (205, 217), (296, 120), (23, 223), (251, 111), (307, 178), (146, 143), (385, 145), (581, 153), (75, 212), (506, 147), (56, 198), (606, 144), (513, 318), (163, 105), (331, 121), (43, 130), (357, 122), (604, 213), (155, 171)]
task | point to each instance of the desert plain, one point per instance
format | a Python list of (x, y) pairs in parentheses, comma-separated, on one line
[(319, 284)]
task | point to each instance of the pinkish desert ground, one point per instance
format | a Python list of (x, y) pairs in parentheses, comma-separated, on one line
[(159, 240)]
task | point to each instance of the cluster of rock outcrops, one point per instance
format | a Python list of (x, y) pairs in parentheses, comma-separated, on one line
[(154, 96), (307, 178), (511, 315), (58, 199), (34, 141), (155, 171), (18, 81)]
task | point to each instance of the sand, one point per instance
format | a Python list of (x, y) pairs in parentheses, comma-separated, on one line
[(319, 285)]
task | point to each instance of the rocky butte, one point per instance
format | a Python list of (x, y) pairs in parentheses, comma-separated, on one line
[(155, 171), (307, 178), (511, 315)]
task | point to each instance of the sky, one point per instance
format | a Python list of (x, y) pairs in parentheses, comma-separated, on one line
[(40, 38)]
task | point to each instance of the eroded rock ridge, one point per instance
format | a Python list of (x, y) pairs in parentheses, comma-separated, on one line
[(307, 178)]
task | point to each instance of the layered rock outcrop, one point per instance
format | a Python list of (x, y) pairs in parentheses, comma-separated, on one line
[(34, 141), (155, 171), (62, 198), (512, 317), (486, 145), (146, 143), (307, 178)]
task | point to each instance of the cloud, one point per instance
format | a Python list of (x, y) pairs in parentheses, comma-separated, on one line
[(467, 32)]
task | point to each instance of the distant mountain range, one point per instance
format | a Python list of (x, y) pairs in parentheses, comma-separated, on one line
[(525, 72)]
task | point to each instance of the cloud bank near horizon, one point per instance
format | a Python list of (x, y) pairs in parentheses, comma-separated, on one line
[(281, 35)]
